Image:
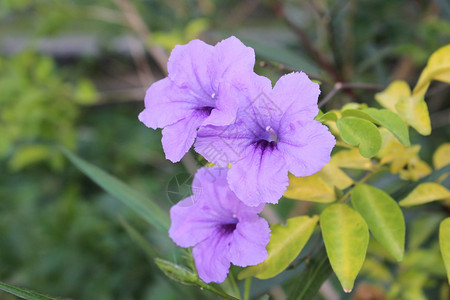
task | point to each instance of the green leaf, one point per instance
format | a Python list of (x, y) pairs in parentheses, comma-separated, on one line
[(422, 228), (425, 193), (147, 209), (185, 276), (318, 269), (383, 216), (383, 117), (85, 92), (425, 260), (444, 243), (361, 133), (285, 244), (376, 270), (24, 293), (329, 116), (346, 237)]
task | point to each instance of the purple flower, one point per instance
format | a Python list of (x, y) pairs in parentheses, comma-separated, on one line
[(273, 134), (219, 227), (204, 86)]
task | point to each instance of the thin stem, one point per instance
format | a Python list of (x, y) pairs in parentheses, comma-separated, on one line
[(336, 88), (348, 85), (234, 285), (366, 177), (138, 25), (320, 58), (248, 284)]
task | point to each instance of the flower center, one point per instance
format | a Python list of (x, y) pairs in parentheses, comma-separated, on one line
[(206, 110), (228, 228), (268, 140), (272, 135)]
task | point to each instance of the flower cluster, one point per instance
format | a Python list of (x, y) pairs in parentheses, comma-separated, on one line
[(212, 99)]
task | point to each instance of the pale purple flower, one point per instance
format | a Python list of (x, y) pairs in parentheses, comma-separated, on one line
[(273, 134), (204, 86), (220, 227)]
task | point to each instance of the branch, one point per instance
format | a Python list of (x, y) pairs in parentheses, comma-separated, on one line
[(348, 85), (138, 25), (319, 57)]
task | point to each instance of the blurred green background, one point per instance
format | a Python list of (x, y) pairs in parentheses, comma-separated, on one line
[(74, 73)]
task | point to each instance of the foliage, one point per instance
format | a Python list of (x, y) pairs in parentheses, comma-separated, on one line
[(387, 181)]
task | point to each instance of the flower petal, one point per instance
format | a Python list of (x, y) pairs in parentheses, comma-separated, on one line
[(231, 57), (259, 177), (223, 145), (211, 258), (226, 105), (165, 104), (213, 194), (188, 226), (296, 95), (191, 66), (306, 147), (249, 241), (179, 137)]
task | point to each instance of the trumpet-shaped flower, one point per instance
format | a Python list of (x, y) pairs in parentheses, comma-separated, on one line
[(204, 86), (273, 134), (219, 226)]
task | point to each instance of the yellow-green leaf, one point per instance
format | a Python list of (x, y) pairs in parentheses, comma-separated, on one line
[(412, 109), (396, 91), (346, 236), (334, 176), (383, 216), (286, 242), (361, 133), (415, 113), (30, 154), (311, 188), (438, 68), (441, 156), (444, 243), (424, 193), (351, 159)]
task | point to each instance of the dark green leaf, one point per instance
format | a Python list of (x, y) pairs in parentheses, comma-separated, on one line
[(282, 55), (147, 209), (406, 189), (307, 285), (24, 293)]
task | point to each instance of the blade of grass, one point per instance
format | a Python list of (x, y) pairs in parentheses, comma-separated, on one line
[(143, 206), (137, 237), (24, 293)]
